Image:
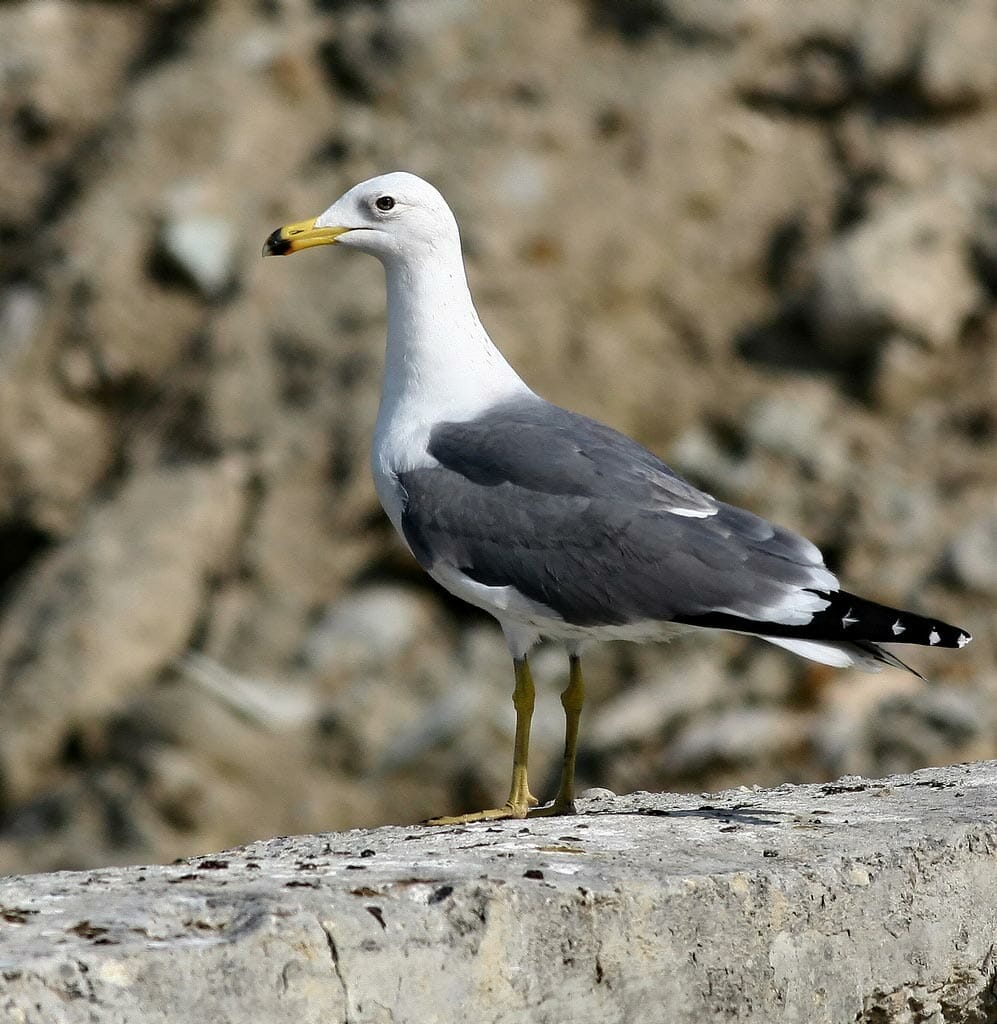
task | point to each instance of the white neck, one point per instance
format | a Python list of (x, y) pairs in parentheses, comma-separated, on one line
[(440, 365), (440, 362)]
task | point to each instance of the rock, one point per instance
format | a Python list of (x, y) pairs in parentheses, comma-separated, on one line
[(749, 903), (704, 457), (799, 424), (905, 374), (985, 243), (201, 250), (815, 78), (371, 627), (703, 22), (55, 110), (736, 737), (888, 41), (851, 702), (893, 721), (20, 315), (957, 68), (113, 606), (304, 545), (906, 270), (53, 452), (659, 704), (523, 183), (276, 706), (923, 727), (972, 554)]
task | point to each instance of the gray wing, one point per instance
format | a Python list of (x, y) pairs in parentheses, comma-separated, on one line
[(545, 449), (585, 521)]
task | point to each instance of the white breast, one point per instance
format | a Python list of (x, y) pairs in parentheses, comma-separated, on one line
[(440, 366), (397, 446)]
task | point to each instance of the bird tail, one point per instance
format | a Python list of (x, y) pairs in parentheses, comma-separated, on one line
[(863, 654), (849, 631), (848, 617)]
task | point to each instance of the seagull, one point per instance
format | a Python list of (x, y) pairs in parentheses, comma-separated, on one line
[(555, 524)]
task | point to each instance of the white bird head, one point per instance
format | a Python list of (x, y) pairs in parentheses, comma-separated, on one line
[(392, 216)]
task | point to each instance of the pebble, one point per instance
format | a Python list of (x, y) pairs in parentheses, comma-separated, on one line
[(905, 269), (202, 249), (597, 793)]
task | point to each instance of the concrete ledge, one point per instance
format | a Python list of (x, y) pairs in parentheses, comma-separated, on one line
[(870, 901)]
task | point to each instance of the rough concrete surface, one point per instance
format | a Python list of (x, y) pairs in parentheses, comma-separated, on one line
[(759, 236), (869, 901)]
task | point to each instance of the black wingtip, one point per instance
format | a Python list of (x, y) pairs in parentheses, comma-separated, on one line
[(849, 618), (276, 244)]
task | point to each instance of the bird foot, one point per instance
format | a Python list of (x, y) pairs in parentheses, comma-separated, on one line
[(505, 812), (553, 810)]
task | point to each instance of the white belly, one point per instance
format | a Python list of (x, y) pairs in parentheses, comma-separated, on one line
[(512, 608)]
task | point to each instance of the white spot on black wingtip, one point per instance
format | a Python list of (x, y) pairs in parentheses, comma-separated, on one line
[(898, 628), (933, 637), (848, 620), (964, 639)]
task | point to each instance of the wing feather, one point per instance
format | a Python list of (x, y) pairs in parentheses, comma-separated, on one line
[(585, 521)]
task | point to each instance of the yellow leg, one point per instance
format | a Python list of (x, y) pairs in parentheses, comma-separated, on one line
[(520, 798), (572, 700)]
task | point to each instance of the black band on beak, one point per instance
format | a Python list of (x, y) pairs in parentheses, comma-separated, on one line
[(276, 245)]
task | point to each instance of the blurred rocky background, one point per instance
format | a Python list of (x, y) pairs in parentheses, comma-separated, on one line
[(761, 237)]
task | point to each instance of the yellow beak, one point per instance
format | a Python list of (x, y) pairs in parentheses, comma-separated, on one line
[(302, 235)]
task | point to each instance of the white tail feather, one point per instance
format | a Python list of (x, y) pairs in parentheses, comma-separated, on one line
[(843, 655)]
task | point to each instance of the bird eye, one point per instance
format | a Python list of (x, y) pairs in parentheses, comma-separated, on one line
[(384, 203)]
